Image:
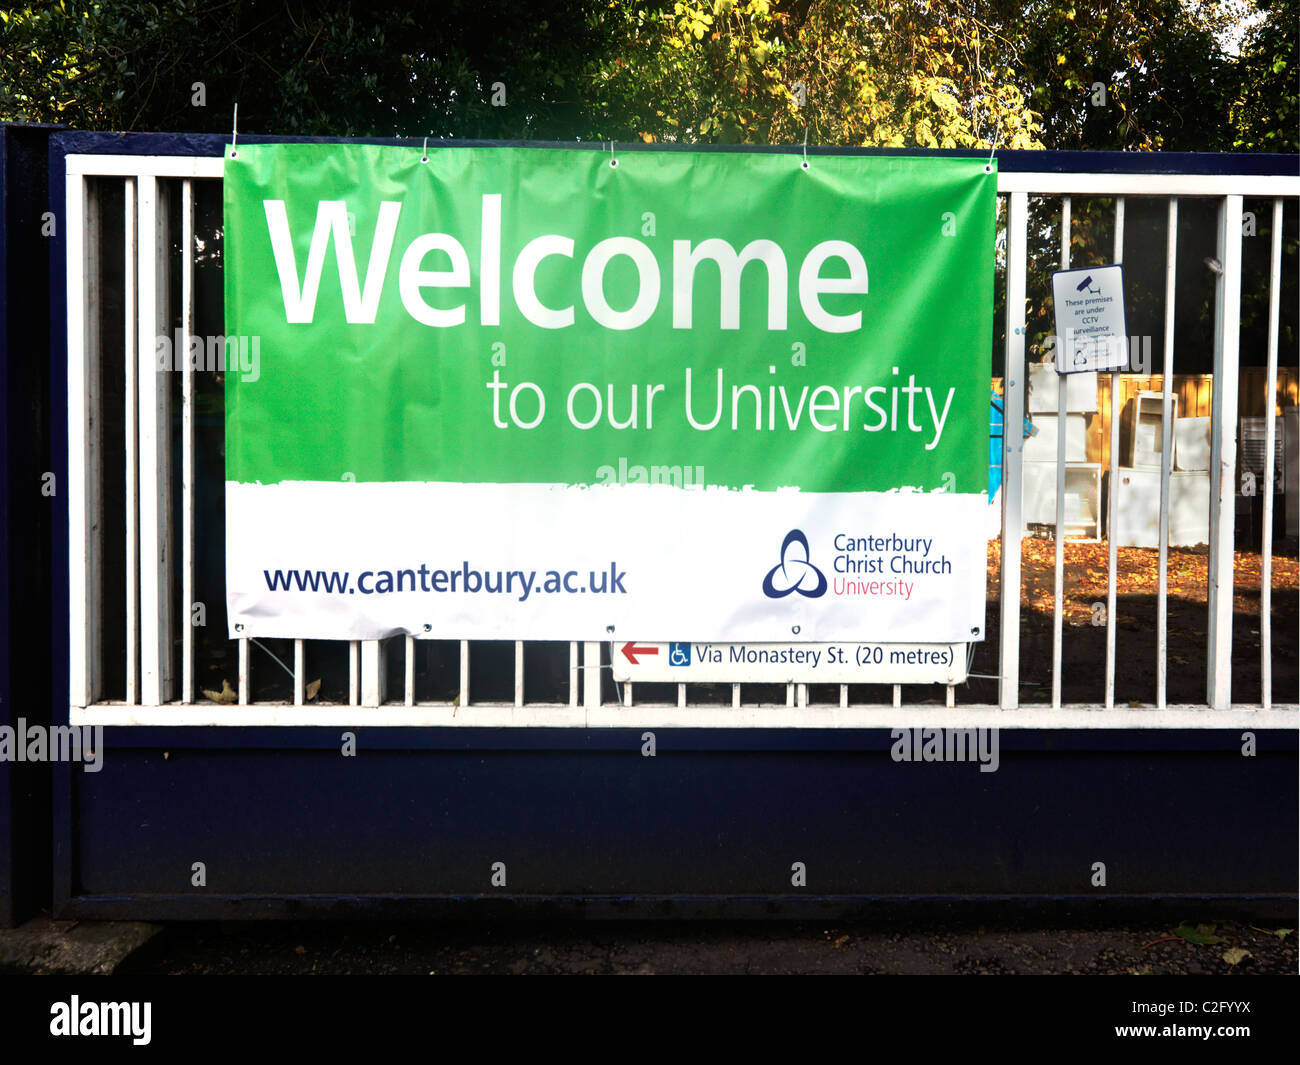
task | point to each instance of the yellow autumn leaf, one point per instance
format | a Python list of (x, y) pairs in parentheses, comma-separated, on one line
[(225, 696)]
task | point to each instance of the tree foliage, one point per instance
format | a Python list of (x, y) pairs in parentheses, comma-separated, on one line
[(1264, 112), (842, 71), (1126, 74), (928, 73), (380, 69)]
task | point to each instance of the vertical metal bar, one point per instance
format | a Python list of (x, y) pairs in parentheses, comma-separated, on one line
[(1013, 415), (130, 355), (950, 700), (299, 673), (801, 695), (1166, 460), (245, 674), (373, 675), (408, 661), (591, 675), (898, 689), (187, 443), (1223, 454), (681, 695), (519, 673), (155, 464), (84, 448), (789, 695), (1062, 407), (354, 673), (464, 673), (627, 694), (1112, 555), (844, 696), (735, 696), (573, 672), (1270, 432)]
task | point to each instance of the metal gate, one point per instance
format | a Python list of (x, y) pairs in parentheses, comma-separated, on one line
[(483, 729), (153, 203)]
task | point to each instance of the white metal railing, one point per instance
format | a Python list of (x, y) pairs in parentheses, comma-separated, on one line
[(155, 615)]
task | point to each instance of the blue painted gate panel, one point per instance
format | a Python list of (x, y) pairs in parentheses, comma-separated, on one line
[(708, 816)]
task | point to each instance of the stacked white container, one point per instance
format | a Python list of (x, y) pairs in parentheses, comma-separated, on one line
[(1136, 522), (1082, 478)]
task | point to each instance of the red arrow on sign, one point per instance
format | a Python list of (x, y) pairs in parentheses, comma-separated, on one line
[(631, 650)]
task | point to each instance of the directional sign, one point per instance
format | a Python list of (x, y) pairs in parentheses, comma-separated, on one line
[(1091, 333), (633, 653), (786, 663)]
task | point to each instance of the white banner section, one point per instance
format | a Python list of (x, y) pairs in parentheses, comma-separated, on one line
[(554, 562), (788, 663)]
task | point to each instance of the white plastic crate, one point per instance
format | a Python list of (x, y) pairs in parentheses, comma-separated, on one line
[(1041, 447), (1082, 497), (1080, 390), (1141, 428), (1191, 443), (1136, 521)]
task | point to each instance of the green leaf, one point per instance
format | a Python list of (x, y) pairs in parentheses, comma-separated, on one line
[(1202, 935)]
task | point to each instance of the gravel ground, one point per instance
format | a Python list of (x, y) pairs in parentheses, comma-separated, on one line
[(713, 947)]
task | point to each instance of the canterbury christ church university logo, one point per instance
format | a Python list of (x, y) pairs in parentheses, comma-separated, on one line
[(795, 572), (879, 565)]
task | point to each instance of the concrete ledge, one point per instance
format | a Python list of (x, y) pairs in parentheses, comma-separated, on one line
[(46, 946)]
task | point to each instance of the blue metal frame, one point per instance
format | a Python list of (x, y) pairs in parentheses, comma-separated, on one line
[(586, 825), (1012, 161), (25, 515)]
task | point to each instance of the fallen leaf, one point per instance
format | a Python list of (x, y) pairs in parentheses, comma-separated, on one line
[(312, 689), (225, 696), (1202, 935), (1236, 955)]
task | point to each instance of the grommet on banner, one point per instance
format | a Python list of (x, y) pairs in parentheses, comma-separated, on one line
[(613, 163), (424, 152), (804, 164), (234, 133)]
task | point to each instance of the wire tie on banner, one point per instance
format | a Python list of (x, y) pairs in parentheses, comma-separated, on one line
[(993, 144), (805, 148), (613, 162), (424, 152), (234, 133)]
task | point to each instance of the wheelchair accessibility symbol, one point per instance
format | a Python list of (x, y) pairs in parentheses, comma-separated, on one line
[(679, 654)]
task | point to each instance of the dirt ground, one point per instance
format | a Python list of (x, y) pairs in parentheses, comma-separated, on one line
[(1084, 629), (944, 946)]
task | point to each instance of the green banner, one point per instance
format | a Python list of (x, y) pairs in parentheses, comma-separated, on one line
[(517, 315)]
